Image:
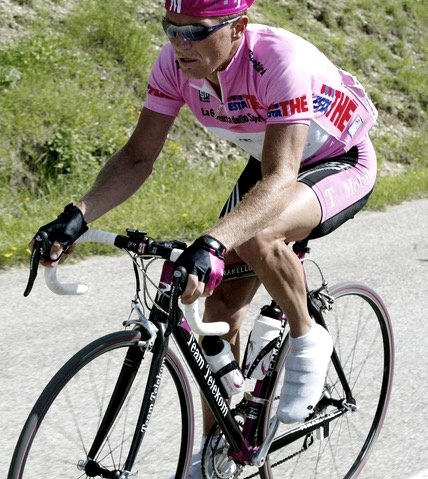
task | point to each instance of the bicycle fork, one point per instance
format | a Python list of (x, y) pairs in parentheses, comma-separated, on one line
[(126, 378)]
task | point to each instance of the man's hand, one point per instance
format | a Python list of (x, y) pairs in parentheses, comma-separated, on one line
[(204, 262), (62, 233)]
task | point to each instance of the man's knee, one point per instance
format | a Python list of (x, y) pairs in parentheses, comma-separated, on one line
[(261, 249)]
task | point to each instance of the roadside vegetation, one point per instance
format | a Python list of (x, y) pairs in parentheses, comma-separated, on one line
[(72, 82)]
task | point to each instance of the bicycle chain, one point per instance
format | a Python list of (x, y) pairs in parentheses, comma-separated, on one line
[(309, 440), (303, 449)]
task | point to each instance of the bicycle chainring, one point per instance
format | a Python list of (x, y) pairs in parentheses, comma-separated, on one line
[(216, 463)]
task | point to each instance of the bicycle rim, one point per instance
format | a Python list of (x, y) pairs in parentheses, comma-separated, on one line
[(61, 426), (360, 327)]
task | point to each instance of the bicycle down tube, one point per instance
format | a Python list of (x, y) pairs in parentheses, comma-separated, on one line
[(194, 356), (241, 449), (204, 377)]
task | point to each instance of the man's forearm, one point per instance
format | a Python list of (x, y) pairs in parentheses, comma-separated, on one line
[(116, 182)]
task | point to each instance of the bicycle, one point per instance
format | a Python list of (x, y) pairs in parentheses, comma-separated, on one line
[(129, 383)]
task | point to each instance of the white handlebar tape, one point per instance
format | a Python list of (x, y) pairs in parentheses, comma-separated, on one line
[(91, 236), (191, 312), (62, 288)]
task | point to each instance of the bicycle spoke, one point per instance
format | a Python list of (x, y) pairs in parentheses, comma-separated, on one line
[(67, 417), (361, 333)]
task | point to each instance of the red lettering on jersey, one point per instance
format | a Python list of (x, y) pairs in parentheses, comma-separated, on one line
[(294, 106), (341, 110), (327, 90), (252, 100)]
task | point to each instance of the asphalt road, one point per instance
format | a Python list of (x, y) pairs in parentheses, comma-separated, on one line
[(387, 250)]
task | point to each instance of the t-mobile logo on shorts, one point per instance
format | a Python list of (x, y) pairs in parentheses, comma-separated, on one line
[(354, 184)]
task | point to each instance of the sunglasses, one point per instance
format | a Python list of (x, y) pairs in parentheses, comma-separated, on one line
[(192, 33)]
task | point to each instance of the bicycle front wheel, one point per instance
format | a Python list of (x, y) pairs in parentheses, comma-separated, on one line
[(64, 421), (361, 330)]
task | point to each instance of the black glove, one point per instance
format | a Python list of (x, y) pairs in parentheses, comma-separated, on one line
[(69, 225), (205, 259)]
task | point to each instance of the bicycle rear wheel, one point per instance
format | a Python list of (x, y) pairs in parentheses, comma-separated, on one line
[(62, 424), (361, 329)]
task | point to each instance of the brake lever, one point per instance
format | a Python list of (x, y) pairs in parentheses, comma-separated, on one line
[(179, 281), (177, 287), (41, 240)]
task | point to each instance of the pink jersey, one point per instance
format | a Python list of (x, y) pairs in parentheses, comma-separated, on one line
[(274, 77)]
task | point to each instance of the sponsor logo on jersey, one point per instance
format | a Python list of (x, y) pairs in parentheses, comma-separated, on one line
[(236, 105), (242, 102), (204, 96), (258, 66), (289, 107), (234, 120), (336, 106)]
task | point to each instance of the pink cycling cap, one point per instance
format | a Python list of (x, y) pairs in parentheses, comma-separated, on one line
[(207, 8)]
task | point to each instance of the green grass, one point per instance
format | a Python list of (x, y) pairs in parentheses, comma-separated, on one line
[(166, 207), (393, 190), (72, 86)]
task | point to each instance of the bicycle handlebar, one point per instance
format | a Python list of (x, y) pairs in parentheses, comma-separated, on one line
[(191, 311)]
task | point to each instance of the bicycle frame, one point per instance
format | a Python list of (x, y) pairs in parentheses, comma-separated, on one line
[(242, 450), (247, 441), (249, 433)]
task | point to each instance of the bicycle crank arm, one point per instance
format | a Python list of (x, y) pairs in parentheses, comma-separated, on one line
[(260, 456)]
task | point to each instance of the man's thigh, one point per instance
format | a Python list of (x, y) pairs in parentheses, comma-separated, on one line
[(328, 194), (302, 215)]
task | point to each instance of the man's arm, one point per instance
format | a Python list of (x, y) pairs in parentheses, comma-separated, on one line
[(129, 168), (119, 179), (282, 154)]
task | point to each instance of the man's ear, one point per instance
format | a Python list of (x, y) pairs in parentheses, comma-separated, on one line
[(240, 26)]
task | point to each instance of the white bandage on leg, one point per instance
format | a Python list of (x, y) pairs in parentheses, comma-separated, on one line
[(305, 371)]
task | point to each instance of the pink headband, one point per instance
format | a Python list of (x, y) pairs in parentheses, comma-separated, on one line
[(208, 8)]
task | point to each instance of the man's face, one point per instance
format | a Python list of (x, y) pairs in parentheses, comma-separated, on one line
[(203, 58)]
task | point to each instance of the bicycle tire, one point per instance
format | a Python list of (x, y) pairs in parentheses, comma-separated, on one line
[(62, 424), (362, 333)]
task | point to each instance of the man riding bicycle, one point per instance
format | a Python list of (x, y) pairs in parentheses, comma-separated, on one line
[(312, 166)]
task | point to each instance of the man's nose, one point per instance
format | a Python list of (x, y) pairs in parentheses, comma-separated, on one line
[(179, 43)]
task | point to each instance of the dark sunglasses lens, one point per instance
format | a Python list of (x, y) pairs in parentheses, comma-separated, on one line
[(199, 33), (192, 33)]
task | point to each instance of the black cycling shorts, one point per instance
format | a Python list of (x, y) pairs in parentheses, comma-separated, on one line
[(342, 185)]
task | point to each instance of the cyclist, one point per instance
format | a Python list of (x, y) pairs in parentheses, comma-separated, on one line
[(304, 123)]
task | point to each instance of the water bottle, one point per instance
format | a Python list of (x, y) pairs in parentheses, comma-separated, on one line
[(222, 363), (262, 341)]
